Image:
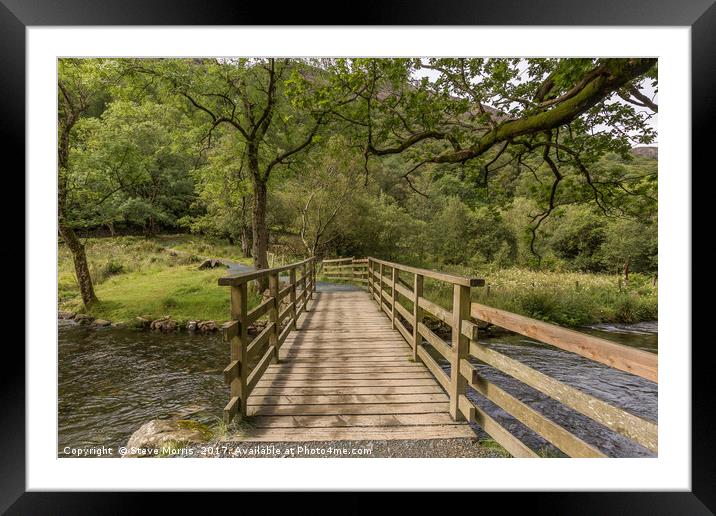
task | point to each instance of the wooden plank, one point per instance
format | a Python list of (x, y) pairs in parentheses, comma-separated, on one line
[(460, 347), (625, 358), (243, 278), (230, 330), (348, 420), (508, 441), (346, 376), (287, 289), (260, 310), (436, 310), (349, 368), (290, 308), (417, 314), (348, 408), (231, 371), (341, 399), (404, 291), (403, 331), (231, 409), (344, 383), (359, 433), (255, 375), (440, 375), (239, 351), (362, 389), (406, 315), (255, 346), (551, 431), (642, 431), (449, 278), (284, 334), (347, 353), (439, 344), (292, 298), (469, 329)]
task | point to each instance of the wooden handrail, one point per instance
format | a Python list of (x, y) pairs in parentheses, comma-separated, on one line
[(385, 286), (242, 374), (427, 273), (245, 277), (618, 356)]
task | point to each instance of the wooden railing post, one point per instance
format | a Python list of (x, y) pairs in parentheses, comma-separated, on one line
[(417, 313), (313, 276), (380, 286), (370, 277), (273, 313), (460, 348), (304, 291), (292, 295), (239, 341), (393, 277)]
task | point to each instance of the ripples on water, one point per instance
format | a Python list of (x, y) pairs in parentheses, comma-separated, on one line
[(111, 381)]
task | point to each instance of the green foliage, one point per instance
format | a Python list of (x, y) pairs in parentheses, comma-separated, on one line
[(359, 158)]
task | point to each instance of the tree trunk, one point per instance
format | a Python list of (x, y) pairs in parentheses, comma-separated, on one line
[(260, 230), (626, 271), (246, 241), (84, 280)]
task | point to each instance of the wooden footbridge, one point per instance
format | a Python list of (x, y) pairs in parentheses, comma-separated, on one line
[(354, 365)]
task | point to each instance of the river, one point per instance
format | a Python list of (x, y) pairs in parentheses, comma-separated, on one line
[(111, 381)]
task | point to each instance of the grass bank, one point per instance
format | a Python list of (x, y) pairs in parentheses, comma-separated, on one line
[(564, 298), (137, 276)]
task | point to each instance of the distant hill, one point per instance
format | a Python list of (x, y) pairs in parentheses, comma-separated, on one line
[(646, 152)]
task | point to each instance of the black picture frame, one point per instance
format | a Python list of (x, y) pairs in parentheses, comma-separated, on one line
[(700, 15)]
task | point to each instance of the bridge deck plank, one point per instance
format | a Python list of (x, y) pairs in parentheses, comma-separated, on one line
[(345, 374)]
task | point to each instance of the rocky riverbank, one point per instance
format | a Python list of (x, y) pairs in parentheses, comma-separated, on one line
[(164, 324)]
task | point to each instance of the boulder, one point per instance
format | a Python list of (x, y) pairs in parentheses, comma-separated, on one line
[(207, 326), (157, 433), (65, 315), (143, 322), (192, 326), (101, 322), (211, 263), (84, 318)]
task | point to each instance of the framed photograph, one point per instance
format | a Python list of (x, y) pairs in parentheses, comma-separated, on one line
[(432, 237)]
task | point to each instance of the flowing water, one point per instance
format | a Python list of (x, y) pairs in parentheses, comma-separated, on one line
[(111, 381)]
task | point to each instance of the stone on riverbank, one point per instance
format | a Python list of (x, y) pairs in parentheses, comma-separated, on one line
[(65, 315), (207, 326), (165, 324), (165, 432), (192, 326), (84, 318), (212, 263), (101, 322)]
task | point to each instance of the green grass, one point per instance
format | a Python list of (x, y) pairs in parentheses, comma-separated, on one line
[(564, 298), (136, 276)]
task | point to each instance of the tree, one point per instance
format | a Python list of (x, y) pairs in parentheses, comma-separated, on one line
[(224, 192), (486, 113), (80, 89), (276, 107), (321, 188), (132, 165)]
